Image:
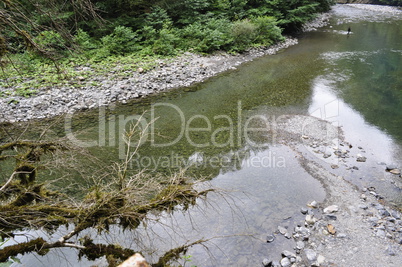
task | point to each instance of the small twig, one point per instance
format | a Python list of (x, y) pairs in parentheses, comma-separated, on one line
[(9, 181)]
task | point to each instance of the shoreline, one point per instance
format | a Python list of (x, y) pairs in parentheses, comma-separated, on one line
[(185, 70)]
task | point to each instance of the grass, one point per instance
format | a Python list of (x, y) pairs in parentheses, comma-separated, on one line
[(26, 75)]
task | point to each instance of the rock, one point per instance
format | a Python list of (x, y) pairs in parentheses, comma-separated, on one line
[(313, 204), (270, 238), (304, 210), (135, 261), (311, 255), (299, 245), (320, 259), (330, 217), (331, 229), (266, 262), (310, 219), (282, 230), (363, 207), (361, 158), (288, 235), (275, 264), (140, 70), (391, 167), (285, 262), (288, 254), (331, 209), (395, 171)]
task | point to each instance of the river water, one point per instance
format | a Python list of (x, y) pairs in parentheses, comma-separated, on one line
[(225, 130)]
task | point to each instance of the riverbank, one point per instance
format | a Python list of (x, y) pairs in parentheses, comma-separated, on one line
[(353, 226), (95, 91)]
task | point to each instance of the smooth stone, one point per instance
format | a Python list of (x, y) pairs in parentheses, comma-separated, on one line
[(310, 219), (288, 254), (270, 238), (331, 209), (361, 159), (285, 262), (391, 167), (310, 254), (282, 230), (304, 210), (313, 204), (320, 259), (299, 245), (330, 217), (266, 262), (395, 171)]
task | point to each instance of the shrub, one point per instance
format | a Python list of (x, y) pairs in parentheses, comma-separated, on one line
[(84, 41), (122, 41), (244, 33), (166, 43), (210, 36), (52, 43), (268, 32)]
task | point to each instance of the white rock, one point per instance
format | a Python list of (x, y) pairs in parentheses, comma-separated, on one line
[(331, 209)]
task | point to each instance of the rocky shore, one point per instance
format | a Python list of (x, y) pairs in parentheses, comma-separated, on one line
[(185, 70), (353, 226)]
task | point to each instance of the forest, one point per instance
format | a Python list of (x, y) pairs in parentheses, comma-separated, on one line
[(98, 29)]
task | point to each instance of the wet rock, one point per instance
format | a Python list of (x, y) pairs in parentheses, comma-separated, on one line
[(320, 259), (304, 210), (395, 171), (270, 238), (331, 209), (266, 262), (313, 204), (288, 254), (330, 217), (300, 245), (391, 167), (311, 255), (361, 158), (282, 230), (310, 220), (285, 262), (363, 206)]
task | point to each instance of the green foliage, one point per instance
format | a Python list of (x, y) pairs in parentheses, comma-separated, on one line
[(84, 41), (122, 41), (268, 31), (166, 42), (52, 43), (206, 37), (244, 33)]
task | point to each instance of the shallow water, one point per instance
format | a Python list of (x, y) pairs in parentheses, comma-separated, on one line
[(220, 128)]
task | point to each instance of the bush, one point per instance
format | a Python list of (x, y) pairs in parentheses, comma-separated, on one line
[(84, 41), (207, 37), (244, 34), (122, 41), (166, 43), (52, 43), (268, 32)]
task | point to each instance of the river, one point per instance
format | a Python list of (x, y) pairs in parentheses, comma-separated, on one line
[(224, 130)]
